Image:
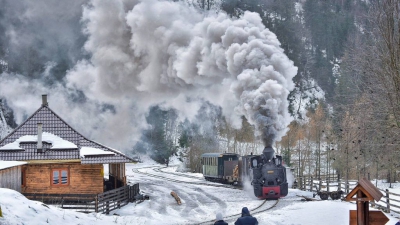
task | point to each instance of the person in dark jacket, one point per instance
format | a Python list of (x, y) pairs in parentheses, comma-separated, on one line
[(246, 218), (219, 220)]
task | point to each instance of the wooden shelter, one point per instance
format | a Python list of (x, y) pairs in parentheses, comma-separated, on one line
[(10, 175), (59, 159), (365, 192)]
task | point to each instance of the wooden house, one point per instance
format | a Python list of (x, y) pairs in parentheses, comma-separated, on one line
[(59, 159), (10, 174)]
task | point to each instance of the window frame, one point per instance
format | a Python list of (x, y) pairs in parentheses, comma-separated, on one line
[(59, 170)]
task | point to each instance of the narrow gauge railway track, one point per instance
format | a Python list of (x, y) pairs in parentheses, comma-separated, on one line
[(257, 210), (186, 182), (231, 218), (176, 174)]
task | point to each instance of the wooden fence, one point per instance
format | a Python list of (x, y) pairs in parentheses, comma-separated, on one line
[(390, 202), (314, 185), (116, 198), (80, 202), (103, 202)]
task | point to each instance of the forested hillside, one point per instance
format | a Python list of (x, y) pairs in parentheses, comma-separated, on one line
[(344, 104)]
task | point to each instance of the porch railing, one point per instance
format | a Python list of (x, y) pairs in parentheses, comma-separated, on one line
[(103, 202)]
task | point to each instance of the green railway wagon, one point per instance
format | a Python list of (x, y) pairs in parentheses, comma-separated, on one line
[(220, 166)]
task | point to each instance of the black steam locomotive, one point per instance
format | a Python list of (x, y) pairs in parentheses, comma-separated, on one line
[(266, 172)]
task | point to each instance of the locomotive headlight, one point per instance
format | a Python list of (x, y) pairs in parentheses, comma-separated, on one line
[(278, 180)]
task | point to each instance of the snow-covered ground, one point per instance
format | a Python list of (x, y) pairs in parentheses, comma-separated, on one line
[(200, 203)]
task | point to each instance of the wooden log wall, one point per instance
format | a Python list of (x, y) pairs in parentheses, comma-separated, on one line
[(11, 178), (83, 179)]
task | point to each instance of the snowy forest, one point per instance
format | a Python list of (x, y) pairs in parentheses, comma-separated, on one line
[(96, 59)]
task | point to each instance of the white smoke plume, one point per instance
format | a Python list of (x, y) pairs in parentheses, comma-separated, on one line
[(144, 53)]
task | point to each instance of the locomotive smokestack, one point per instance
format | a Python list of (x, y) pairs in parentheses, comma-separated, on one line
[(268, 153)]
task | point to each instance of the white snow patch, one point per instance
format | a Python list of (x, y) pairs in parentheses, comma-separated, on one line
[(9, 164), (93, 151), (55, 141)]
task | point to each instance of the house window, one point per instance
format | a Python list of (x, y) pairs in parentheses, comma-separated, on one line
[(60, 177)]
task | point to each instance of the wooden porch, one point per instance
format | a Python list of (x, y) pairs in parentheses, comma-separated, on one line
[(102, 203), (116, 177)]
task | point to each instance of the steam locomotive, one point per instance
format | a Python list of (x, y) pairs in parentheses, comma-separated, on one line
[(266, 172)]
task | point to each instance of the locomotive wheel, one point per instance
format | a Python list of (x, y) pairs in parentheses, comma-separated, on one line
[(323, 196)]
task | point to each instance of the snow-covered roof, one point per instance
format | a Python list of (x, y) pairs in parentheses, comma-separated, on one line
[(86, 151), (9, 164), (60, 142), (55, 141)]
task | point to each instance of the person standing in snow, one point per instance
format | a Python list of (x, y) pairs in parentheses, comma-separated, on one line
[(246, 218), (220, 220)]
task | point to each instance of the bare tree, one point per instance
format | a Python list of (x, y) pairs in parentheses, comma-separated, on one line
[(385, 20), (371, 103)]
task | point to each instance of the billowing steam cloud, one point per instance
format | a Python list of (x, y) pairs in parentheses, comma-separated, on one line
[(150, 52)]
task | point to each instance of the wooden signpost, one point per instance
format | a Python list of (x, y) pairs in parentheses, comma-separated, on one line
[(365, 192)]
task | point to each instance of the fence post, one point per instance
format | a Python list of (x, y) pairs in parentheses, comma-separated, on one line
[(96, 203), (347, 187), (301, 183), (319, 184), (387, 201), (108, 207), (1, 213), (311, 184), (306, 182), (129, 193), (327, 185)]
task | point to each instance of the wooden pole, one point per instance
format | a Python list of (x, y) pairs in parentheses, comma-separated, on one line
[(1, 214), (362, 209), (327, 185), (387, 201), (115, 175), (96, 207), (366, 209)]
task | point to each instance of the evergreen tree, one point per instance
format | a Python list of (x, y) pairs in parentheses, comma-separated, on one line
[(158, 141), (329, 24)]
